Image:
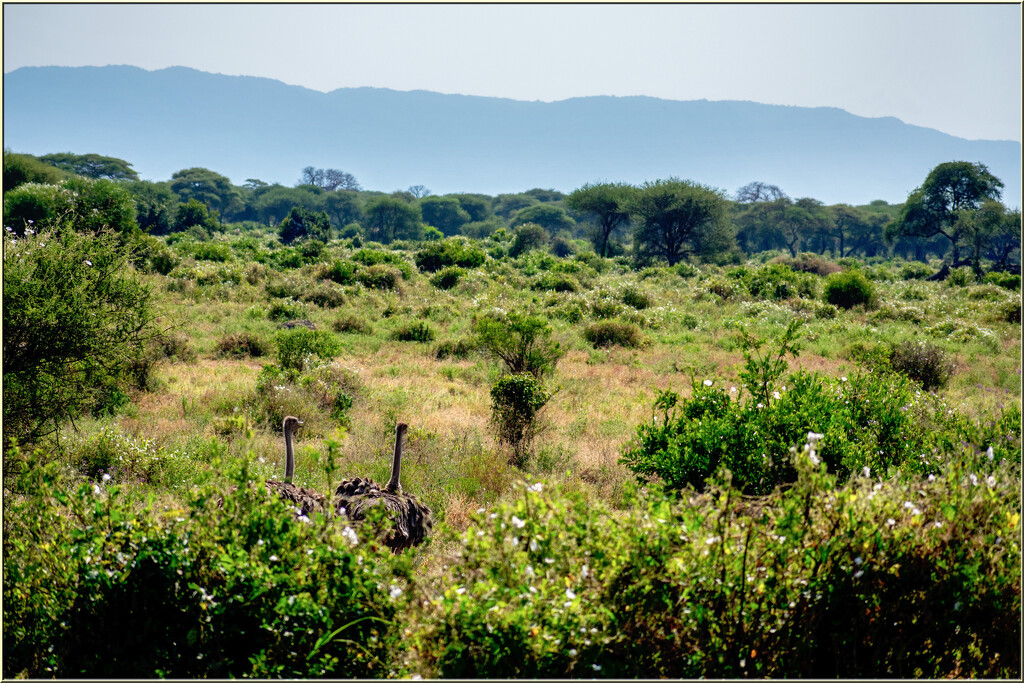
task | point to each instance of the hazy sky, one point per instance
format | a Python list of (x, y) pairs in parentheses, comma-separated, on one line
[(956, 68)]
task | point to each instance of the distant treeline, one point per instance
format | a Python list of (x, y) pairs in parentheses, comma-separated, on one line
[(954, 215)]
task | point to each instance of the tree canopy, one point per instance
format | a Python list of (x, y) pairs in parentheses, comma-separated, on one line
[(92, 165), (606, 202), (677, 218)]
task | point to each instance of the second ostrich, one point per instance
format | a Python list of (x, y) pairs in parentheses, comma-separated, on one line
[(412, 520), (306, 501)]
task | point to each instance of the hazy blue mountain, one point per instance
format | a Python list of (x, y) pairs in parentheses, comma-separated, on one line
[(245, 127)]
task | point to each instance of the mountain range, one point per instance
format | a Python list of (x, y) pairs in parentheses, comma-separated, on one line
[(247, 127)]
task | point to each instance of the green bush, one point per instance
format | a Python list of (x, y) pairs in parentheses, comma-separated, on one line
[(528, 236), (814, 581), (778, 281), (379, 277), (635, 298), (915, 270), (849, 289), (522, 342), (419, 331), (556, 282), (241, 589), (960, 277), (453, 349), (375, 257), (925, 363), (325, 296), (873, 420), (351, 323), (296, 347), (205, 251), (515, 401), (613, 333), (285, 310), (447, 253), (242, 344), (304, 224), (1009, 281), (76, 320), (448, 277), (342, 272)]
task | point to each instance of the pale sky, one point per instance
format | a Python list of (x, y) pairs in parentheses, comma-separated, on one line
[(955, 68)]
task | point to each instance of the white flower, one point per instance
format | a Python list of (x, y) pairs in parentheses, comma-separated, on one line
[(96, 489), (460, 590), (572, 652), (534, 546), (857, 560), (990, 453), (529, 571), (88, 262), (395, 592), (569, 594), (350, 535), (859, 573), (776, 394), (517, 523), (106, 477), (536, 488), (732, 390), (991, 481), (814, 437), (866, 471), (760, 405), (597, 667), (584, 572), (974, 479), (890, 521), (708, 383), (273, 558), (842, 379)]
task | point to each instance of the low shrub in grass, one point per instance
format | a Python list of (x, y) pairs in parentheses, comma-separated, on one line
[(376, 257), (382, 277), (960, 277), (778, 281), (1009, 281), (419, 331), (556, 282), (915, 270), (325, 296), (816, 581), (205, 251), (111, 587), (442, 254), (450, 348), (286, 310), (634, 297), (515, 401), (243, 344), (296, 347), (810, 263), (342, 272), (849, 289), (446, 278), (871, 419), (352, 324), (927, 364), (613, 333), (522, 342)]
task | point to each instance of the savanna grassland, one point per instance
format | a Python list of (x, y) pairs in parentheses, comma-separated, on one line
[(766, 466)]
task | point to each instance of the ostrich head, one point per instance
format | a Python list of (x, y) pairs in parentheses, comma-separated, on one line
[(393, 485), (291, 423)]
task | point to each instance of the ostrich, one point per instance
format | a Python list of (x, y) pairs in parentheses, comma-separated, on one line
[(307, 501), (412, 519)]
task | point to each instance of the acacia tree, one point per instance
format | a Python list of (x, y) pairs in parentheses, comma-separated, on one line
[(305, 224), (677, 218), (329, 179), (92, 165), (606, 202), (208, 187), (389, 219), (936, 208)]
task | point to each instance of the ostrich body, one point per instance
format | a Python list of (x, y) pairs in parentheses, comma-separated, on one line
[(412, 520), (307, 501)]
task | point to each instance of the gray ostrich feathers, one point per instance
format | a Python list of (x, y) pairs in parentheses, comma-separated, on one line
[(411, 520), (306, 501)]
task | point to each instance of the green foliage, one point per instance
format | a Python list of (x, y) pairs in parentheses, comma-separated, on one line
[(1009, 281), (960, 277), (528, 236), (205, 251), (374, 257), (778, 281), (444, 213), (112, 587), (342, 272), (296, 347), (446, 253), (25, 168), (303, 224), (677, 218), (242, 345), (925, 363), (515, 401), (350, 323), (388, 219), (552, 218), (76, 318), (849, 289), (522, 342), (815, 581), (453, 349), (379, 277), (446, 278), (415, 332), (873, 420), (93, 206), (92, 165), (212, 189), (613, 333)]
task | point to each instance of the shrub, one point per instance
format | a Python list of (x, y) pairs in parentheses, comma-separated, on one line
[(522, 342), (960, 277), (915, 270), (849, 289), (446, 278), (297, 346), (925, 363), (242, 344), (453, 349), (352, 324), (447, 253), (325, 296), (810, 263), (528, 236), (1009, 281), (515, 401), (304, 224), (556, 282), (779, 281), (342, 272), (612, 333), (285, 310), (419, 331), (76, 320), (375, 257), (379, 277), (635, 298)]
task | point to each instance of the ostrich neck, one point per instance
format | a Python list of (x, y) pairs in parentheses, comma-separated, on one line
[(289, 456), (396, 467)]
